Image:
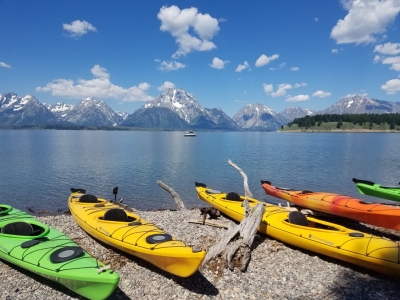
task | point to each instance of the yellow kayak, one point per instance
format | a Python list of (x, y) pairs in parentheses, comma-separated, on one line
[(130, 233), (322, 237)]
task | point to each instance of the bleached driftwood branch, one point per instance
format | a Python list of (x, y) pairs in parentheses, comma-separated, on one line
[(247, 192), (174, 195), (235, 246)]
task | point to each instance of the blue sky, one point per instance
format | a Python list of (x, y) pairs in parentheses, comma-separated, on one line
[(285, 53)]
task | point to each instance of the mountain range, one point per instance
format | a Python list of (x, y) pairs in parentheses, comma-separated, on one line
[(175, 109)]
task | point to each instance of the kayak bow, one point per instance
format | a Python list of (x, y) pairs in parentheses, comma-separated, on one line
[(370, 188)]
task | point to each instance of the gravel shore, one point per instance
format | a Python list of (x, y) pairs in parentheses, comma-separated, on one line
[(276, 270)]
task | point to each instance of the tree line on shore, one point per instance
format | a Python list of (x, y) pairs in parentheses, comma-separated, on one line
[(361, 119)]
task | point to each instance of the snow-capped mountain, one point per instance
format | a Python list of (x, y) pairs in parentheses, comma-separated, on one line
[(27, 110), (91, 112), (60, 109), (258, 116), (361, 105), (177, 109), (292, 113)]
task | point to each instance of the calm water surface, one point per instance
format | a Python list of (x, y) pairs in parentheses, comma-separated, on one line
[(38, 168)]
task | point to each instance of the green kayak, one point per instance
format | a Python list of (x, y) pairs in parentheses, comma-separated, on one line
[(32, 245), (370, 188)]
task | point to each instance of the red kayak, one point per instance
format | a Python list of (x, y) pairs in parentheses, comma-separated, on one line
[(374, 213)]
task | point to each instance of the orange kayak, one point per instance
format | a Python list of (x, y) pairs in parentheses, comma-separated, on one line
[(374, 213)]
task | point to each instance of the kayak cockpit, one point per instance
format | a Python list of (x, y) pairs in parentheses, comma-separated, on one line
[(5, 209), (24, 229), (118, 215), (299, 219)]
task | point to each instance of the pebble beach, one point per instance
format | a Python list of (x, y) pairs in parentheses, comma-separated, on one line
[(276, 270)]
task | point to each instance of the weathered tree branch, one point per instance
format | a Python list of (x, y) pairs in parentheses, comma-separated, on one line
[(247, 192), (174, 195)]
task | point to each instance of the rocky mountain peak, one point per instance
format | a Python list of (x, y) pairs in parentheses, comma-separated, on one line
[(256, 116)]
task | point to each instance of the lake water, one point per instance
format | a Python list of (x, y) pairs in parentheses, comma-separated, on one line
[(38, 168)]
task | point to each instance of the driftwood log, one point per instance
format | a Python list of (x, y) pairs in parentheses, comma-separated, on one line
[(235, 246), (178, 200)]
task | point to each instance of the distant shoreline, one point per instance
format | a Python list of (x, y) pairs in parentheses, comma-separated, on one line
[(342, 131)]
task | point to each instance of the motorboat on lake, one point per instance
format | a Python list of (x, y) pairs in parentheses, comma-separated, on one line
[(189, 133)]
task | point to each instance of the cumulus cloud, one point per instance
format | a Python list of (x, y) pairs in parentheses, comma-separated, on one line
[(78, 28), (240, 68), (170, 66), (268, 88), (179, 22), (98, 71), (281, 91), (294, 69), (336, 51), (321, 94), (377, 59), (365, 20), (264, 60), (218, 63), (394, 61), (297, 85), (298, 98), (388, 48), (392, 86), (166, 85), (100, 87), (4, 65)]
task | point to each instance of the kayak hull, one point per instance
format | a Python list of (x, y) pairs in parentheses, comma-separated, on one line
[(374, 213), (82, 274), (319, 236), (133, 236)]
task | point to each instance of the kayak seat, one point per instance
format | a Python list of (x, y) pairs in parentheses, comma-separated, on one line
[(17, 228), (233, 196), (88, 198), (116, 214), (298, 218)]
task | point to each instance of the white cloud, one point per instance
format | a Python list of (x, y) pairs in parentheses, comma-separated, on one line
[(281, 91), (100, 87), (239, 101), (240, 68), (316, 19), (321, 94), (78, 28), (264, 60), (282, 88), (4, 65), (268, 88), (98, 71), (365, 20), (298, 98), (297, 85), (336, 50), (170, 66), (357, 94), (166, 85), (394, 61), (377, 58), (388, 48), (218, 63), (392, 86), (294, 69), (179, 22)]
